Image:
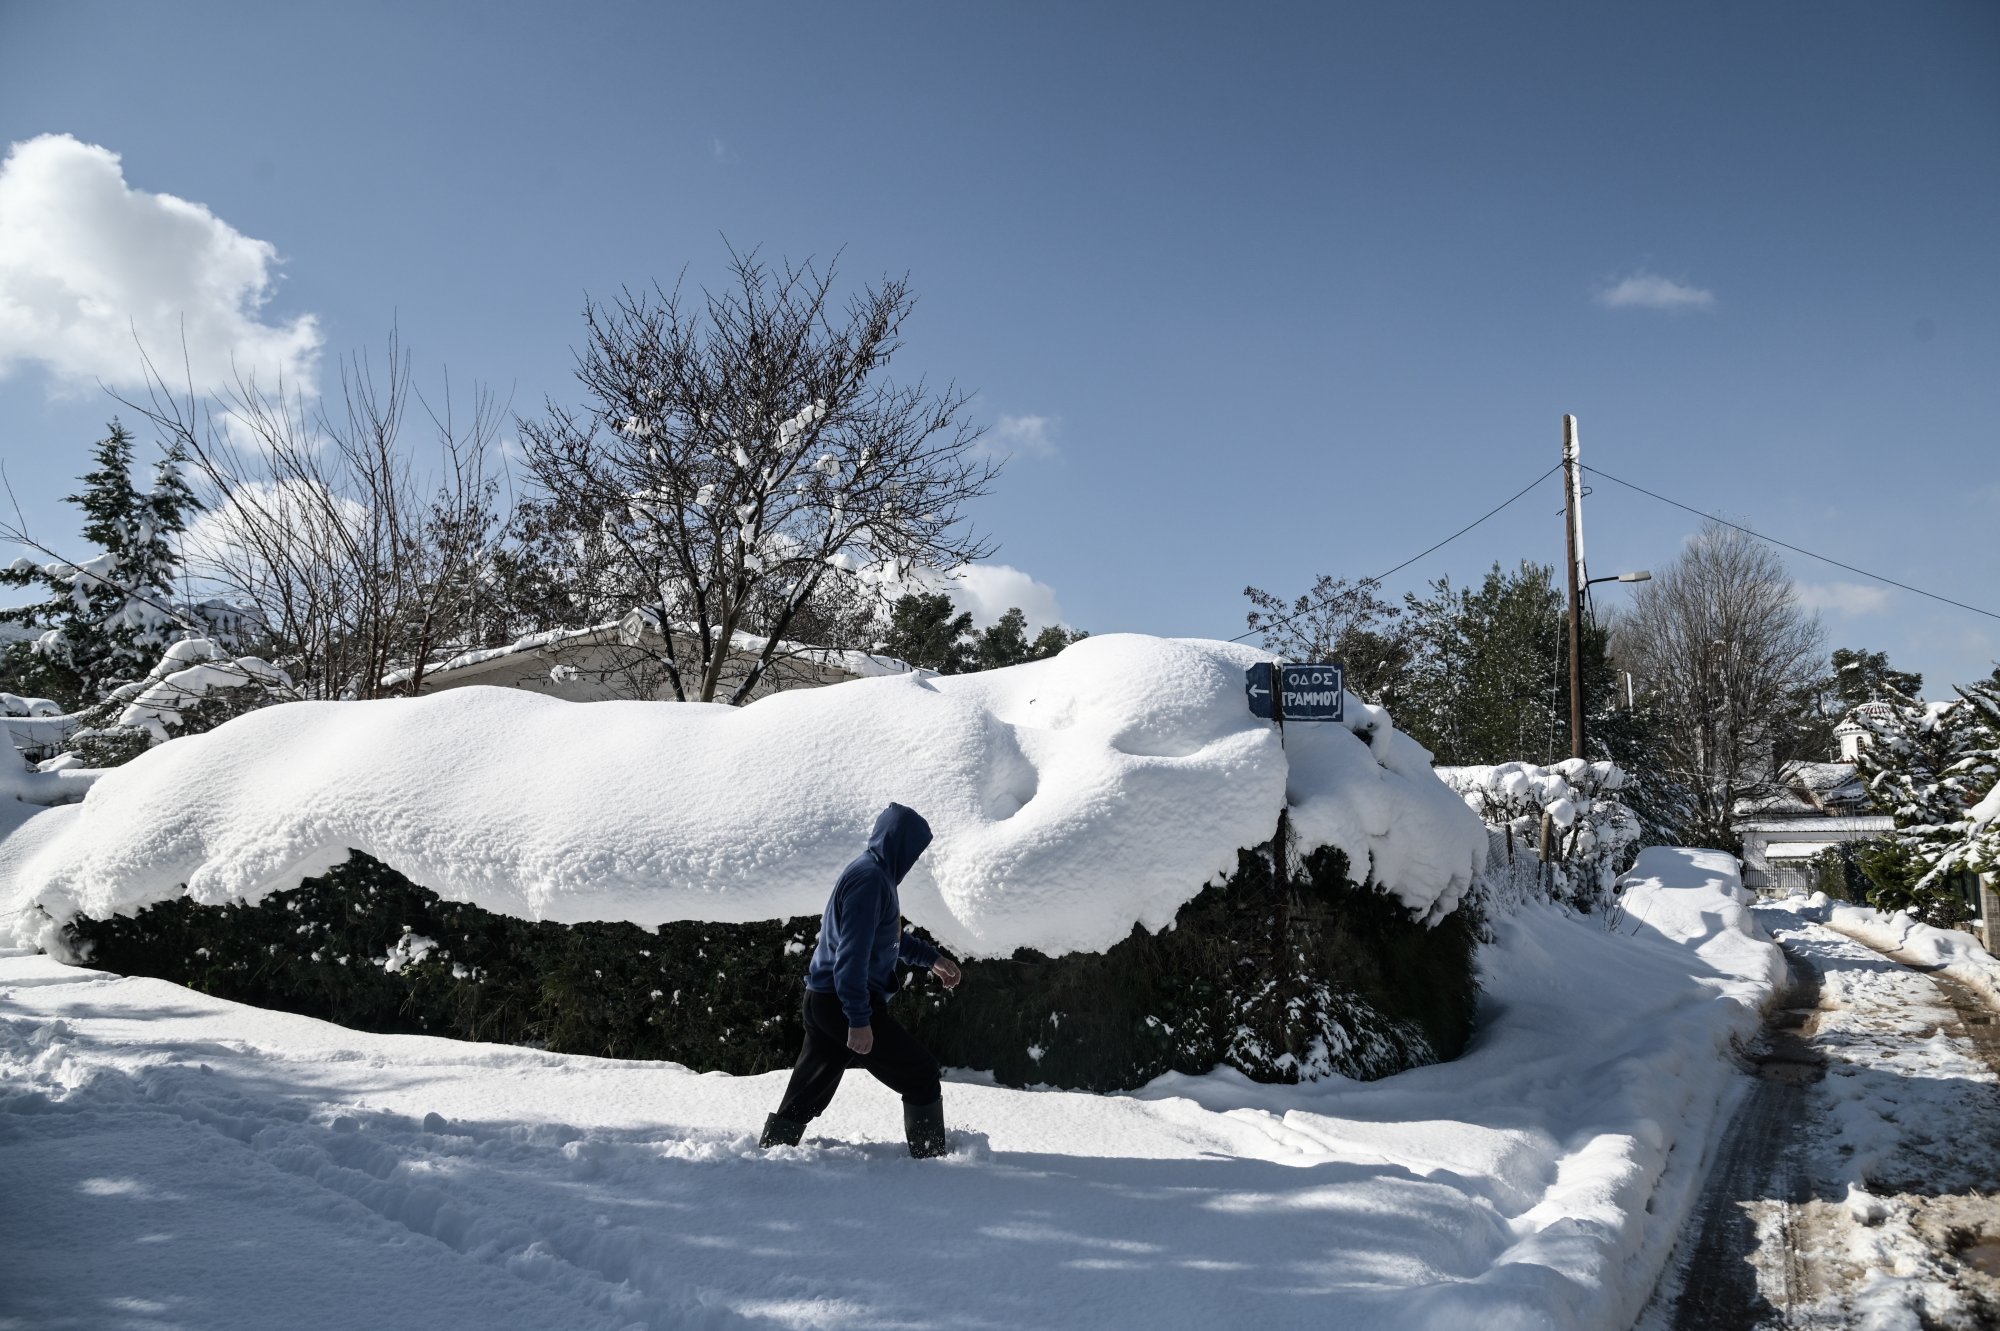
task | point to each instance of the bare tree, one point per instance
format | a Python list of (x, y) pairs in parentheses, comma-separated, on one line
[(1337, 621), (1735, 667), (741, 467), (362, 572)]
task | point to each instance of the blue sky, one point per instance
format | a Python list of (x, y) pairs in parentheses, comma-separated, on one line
[(1256, 292)]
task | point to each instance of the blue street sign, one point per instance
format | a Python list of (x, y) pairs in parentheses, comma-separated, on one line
[(1257, 683), (1306, 692)]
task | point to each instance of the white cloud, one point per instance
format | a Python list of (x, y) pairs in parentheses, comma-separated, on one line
[(1013, 435), (987, 591), (1650, 291), (990, 590), (1843, 598), (220, 547), (87, 263), (720, 151)]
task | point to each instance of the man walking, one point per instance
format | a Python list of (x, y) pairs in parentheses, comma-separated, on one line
[(848, 985)]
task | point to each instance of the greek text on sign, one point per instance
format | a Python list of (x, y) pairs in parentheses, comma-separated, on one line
[(1302, 692)]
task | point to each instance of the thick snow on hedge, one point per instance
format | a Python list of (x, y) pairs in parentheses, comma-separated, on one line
[(1071, 798)]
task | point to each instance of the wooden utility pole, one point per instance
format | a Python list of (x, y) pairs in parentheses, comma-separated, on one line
[(1573, 538)]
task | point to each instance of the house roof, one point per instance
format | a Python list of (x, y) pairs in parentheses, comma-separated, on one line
[(630, 630), (1810, 790), (1817, 824), (1797, 850)]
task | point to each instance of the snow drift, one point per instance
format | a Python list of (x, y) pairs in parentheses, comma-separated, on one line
[(1953, 951), (1071, 798), (1538, 1182)]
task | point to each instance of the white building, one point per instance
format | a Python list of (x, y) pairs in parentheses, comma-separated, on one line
[(1820, 806), (1824, 805)]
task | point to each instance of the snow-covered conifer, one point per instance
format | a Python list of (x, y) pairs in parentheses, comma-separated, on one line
[(108, 617), (1928, 764)]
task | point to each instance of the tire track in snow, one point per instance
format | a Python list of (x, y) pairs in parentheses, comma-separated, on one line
[(1842, 1191)]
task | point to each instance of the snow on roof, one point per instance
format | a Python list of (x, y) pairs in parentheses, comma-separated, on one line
[(862, 665), (1797, 850), (1817, 823), (1809, 790), (1071, 798)]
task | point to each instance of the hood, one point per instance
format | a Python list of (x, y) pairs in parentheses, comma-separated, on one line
[(900, 836)]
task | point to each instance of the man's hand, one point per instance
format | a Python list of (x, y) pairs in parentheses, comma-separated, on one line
[(861, 1039), (947, 972)]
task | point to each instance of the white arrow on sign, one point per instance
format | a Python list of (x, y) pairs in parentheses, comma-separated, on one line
[(1255, 691)]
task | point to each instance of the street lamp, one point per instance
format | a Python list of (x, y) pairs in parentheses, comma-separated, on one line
[(1576, 708)]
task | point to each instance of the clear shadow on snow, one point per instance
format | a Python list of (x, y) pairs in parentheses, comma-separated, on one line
[(204, 1194)]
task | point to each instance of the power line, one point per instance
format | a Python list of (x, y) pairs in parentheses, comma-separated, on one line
[(1796, 549), (1377, 579)]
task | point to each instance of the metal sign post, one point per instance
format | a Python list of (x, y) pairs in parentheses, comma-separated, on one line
[(1280, 693)]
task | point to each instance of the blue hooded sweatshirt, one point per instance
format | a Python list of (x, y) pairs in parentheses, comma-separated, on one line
[(861, 935)]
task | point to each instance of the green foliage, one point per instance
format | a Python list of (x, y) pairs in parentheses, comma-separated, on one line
[(1477, 675), (110, 619), (1976, 847), (1486, 685), (1004, 644), (1899, 878), (1861, 676), (924, 630), (32, 674), (1928, 765), (1837, 872), (1327, 977), (1338, 621), (1007, 643), (104, 742)]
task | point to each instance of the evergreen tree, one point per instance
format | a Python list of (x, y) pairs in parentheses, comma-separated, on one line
[(1976, 841), (105, 620), (1004, 644), (1927, 765), (1052, 640), (1489, 678), (1861, 676), (924, 631)]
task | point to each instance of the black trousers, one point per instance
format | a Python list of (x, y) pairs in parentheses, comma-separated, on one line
[(897, 1060)]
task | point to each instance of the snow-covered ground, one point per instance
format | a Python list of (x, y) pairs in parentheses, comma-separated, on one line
[(173, 1160), (1952, 951)]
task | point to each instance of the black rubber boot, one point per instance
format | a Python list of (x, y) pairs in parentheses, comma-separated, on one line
[(781, 1132), (924, 1126)]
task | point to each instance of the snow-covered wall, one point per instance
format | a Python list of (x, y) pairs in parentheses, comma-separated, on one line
[(1071, 799)]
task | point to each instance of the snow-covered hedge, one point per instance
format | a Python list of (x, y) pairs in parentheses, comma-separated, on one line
[(1072, 799), (1563, 824), (1325, 979)]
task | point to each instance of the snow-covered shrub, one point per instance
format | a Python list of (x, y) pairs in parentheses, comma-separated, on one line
[(1561, 826), (1098, 818), (194, 687), (1331, 978)]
